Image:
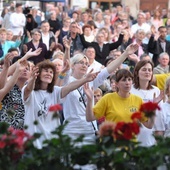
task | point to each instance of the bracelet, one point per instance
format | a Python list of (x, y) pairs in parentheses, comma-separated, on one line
[(61, 75)]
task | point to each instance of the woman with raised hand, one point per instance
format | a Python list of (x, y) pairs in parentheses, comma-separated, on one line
[(40, 93), (74, 106), (142, 87), (6, 86), (11, 98), (117, 106)]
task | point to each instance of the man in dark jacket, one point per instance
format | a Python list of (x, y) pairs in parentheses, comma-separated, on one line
[(102, 49), (160, 45)]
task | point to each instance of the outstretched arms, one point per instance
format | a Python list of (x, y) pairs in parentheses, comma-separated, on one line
[(31, 83), (76, 84), (116, 63)]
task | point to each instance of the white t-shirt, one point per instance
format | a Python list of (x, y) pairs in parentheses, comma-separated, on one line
[(36, 109), (146, 27), (96, 66), (18, 21), (75, 111), (46, 39), (146, 135), (162, 122)]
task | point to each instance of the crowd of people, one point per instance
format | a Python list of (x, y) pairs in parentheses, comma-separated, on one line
[(99, 65)]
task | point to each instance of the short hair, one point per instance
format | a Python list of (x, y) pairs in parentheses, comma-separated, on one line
[(45, 21), (58, 60), (35, 30), (45, 65), (122, 73), (140, 30), (92, 23), (56, 54), (138, 66), (75, 12), (113, 77), (18, 5), (59, 46), (108, 58), (163, 54), (13, 49), (98, 90), (86, 26), (141, 13), (161, 27), (3, 30), (78, 57)]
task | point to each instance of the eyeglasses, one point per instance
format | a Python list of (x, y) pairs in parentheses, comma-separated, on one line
[(83, 63)]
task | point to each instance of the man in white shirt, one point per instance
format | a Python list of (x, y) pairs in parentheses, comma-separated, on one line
[(18, 21), (47, 37), (93, 64), (141, 23)]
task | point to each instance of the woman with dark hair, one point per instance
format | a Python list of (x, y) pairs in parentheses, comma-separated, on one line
[(4, 12), (110, 106), (142, 87), (39, 94), (30, 23)]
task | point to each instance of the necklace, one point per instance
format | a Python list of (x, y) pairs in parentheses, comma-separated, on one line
[(143, 94)]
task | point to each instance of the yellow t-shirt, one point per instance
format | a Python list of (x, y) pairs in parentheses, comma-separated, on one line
[(161, 79), (116, 108)]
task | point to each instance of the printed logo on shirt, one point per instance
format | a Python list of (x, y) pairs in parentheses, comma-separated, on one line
[(43, 111)]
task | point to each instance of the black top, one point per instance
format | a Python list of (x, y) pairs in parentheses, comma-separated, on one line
[(102, 54)]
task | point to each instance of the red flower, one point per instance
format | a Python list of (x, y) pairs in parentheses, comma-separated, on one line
[(2, 144), (126, 131), (136, 116), (107, 129), (56, 107), (149, 108)]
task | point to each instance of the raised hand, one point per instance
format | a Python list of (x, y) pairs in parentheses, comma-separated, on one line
[(159, 98), (52, 46), (88, 91), (35, 73), (31, 53), (66, 66), (91, 76), (67, 42), (132, 48), (21, 66), (7, 60), (133, 57), (79, 28)]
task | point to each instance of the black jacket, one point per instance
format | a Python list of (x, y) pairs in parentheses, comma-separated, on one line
[(101, 55), (155, 48)]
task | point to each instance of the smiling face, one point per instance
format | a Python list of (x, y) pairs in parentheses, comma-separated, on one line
[(46, 75)]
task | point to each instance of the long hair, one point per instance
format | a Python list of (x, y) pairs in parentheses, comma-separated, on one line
[(45, 65), (138, 66)]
